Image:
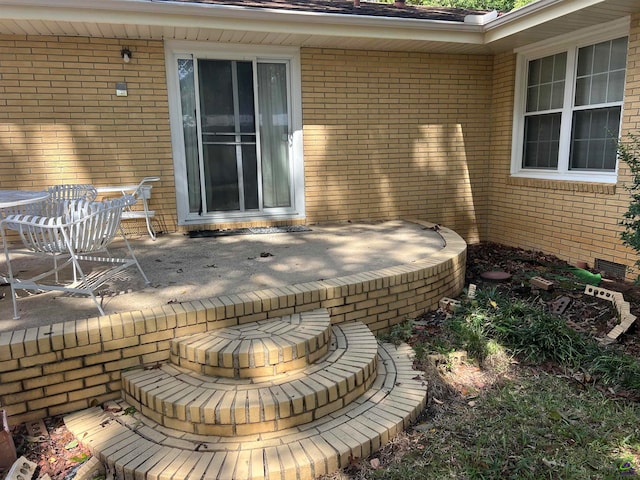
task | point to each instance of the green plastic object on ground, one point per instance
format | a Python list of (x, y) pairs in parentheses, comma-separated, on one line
[(586, 276)]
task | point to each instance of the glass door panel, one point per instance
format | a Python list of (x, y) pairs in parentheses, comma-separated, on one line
[(228, 132), (274, 134)]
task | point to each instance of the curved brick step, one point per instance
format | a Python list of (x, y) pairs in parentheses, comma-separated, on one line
[(195, 403), (134, 446), (257, 349)]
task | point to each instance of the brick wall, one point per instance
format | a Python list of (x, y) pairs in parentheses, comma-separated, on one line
[(575, 221), (69, 366), (390, 135), (61, 121), (387, 135)]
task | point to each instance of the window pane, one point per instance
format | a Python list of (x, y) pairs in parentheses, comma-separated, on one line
[(546, 72), (532, 99), (541, 142), (585, 61), (216, 98), (619, 53), (593, 139), (245, 97), (557, 95), (601, 57), (616, 86), (534, 72), (190, 131), (250, 177), (583, 90), (601, 73), (221, 172), (274, 128), (598, 88), (559, 66), (545, 87), (610, 155), (544, 101)]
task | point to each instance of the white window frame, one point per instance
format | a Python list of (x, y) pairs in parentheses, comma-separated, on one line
[(175, 49), (569, 44)]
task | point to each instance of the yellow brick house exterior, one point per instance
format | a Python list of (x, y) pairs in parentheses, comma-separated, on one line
[(419, 125)]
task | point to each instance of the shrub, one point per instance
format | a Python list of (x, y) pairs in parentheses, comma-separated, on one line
[(629, 153)]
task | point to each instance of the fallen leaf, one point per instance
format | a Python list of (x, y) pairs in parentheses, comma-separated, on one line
[(79, 458), (71, 444), (375, 463)]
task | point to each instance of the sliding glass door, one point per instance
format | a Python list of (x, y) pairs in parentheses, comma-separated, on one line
[(236, 136)]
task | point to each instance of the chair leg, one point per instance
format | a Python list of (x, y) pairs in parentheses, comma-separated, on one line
[(77, 271), (10, 276), (147, 218), (152, 234), (133, 256)]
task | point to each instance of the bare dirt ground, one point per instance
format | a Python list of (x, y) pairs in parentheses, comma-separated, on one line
[(59, 455)]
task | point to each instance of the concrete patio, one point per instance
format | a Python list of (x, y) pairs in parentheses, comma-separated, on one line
[(183, 269)]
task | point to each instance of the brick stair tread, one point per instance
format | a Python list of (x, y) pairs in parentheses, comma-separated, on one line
[(195, 403), (136, 447), (262, 348)]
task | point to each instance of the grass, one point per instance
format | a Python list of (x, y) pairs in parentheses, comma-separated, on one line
[(549, 414), (534, 426), (535, 336)]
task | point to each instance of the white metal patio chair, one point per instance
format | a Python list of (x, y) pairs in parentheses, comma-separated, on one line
[(141, 191), (59, 197), (82, 233)]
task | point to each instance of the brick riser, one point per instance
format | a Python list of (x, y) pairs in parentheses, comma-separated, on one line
[(136, 447), (181, 399), (257, 349)]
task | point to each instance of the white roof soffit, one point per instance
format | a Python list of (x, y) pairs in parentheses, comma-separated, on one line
[(161, 20)]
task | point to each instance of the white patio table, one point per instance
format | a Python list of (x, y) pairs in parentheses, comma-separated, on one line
[(13, 200), (9, 199)]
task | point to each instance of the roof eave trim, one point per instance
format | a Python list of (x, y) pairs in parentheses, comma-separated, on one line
[(173, 14), (532, 15)]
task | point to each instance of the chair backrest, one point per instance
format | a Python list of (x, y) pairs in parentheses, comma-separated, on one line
[(84, 227), (144, 187), (61, 195), (72, 191), (91, 226)]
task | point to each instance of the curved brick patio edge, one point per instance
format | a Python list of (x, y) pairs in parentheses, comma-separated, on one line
[(70, 366)]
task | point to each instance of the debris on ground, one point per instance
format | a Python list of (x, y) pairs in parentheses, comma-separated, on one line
[(54, 450)]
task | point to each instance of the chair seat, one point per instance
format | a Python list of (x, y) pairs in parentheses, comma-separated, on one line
[(127, 215)]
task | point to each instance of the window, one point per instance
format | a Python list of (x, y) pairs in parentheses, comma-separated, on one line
[(568, 110)]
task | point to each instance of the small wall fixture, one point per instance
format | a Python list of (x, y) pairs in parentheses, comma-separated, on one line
[(125, 53)]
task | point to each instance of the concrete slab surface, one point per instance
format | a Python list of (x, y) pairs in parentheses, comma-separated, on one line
[(182, 269)]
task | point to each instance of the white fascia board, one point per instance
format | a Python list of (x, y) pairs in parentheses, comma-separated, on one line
[(532, 15), (169, 14)]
